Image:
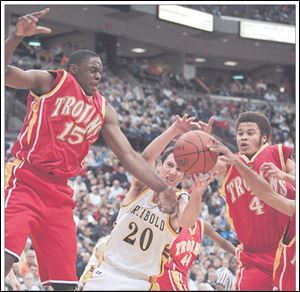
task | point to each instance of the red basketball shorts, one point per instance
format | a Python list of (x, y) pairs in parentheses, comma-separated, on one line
[(172, 281), (40, 205), (256, 271)]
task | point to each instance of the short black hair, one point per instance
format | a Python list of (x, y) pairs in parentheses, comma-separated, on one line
[(80, 56), (258, 118)]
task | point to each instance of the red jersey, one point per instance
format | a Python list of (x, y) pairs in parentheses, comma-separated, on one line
[(59, 127), (251, 218), (284, 265), (183, 253)]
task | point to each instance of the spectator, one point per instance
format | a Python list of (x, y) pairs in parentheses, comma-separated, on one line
[(29, 261), (94, 197), (28, 283), (80, 266), (115, 190)]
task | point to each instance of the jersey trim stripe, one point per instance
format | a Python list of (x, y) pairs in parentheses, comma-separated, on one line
[(290, 243), (134, 200), (59, 282), (35, 109), (224, 180), (21, 137), (284, 268), (281, 157), (14, 183), (238, 251), (247, 160), (174, 286), (103, 107), (278, 256), (223, 193), (9, 168), (240, 278), (37, 131), (54, 90), (173, 231), (12, 253)]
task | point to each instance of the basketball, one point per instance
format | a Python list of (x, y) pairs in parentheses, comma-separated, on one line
[(191, 153)]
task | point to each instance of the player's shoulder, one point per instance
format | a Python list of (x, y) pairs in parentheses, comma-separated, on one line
[(281, 149)]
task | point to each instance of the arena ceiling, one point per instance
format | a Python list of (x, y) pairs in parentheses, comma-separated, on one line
[(138, 29)]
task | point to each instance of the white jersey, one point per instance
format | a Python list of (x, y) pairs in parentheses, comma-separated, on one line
[(141, 236), (94, 261)]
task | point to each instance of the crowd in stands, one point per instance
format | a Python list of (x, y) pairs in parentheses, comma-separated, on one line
[(271, 13), (145, 108)]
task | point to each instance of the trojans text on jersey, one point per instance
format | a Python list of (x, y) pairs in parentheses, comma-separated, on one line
[(84, 122)]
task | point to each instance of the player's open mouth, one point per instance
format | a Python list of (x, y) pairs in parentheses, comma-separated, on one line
[(95, 86)]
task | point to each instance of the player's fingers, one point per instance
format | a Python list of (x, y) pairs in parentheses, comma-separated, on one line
[(202, 124), (196, 125), (272, 171), (32, 18), (266, 164), (191, 119), (41, 13), (214, 141), (185, 117), (210, 123), (43, 29), (25, 18), (224, 158), (214, 147)]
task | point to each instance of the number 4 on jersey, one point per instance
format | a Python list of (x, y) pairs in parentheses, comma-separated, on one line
[(256, 206)]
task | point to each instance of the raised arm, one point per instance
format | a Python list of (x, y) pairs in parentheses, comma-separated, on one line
[(16, 77), (131, 160), (217, 238), (157, 146), (259, 186)]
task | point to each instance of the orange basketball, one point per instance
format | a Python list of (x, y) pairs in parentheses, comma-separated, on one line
[(191, 153)]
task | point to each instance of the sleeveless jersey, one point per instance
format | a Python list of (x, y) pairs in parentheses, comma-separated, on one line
[(183, 253), (59, 127), (185, 249), (284, 265), (252, 219), (141, 238)]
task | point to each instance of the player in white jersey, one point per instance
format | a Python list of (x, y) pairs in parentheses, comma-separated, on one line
[(94, 261), (142, 236)]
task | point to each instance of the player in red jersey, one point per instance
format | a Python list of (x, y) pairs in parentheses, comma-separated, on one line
[(65, 115), (258, 223), (284, 272), (183, 253)]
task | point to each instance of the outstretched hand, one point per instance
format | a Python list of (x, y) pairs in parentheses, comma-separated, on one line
[(185, 123), (27, 24), (200, 181), (217, 146), (206, 127)]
